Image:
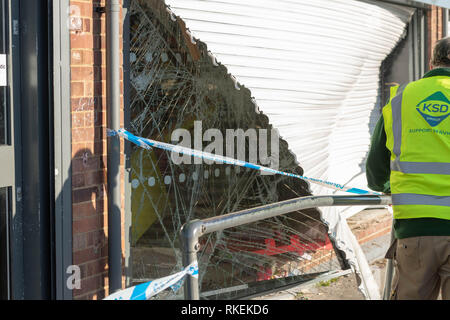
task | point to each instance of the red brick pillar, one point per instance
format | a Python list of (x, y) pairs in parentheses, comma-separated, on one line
[(434, 28), (89, 148)]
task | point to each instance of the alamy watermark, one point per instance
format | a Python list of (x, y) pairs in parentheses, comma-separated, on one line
[(233, 145), (74, 280)]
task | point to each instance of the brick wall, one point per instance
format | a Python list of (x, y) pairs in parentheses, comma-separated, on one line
[(89, 148), (434, 28)]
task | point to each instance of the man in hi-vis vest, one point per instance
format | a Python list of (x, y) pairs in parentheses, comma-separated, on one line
[(410, 159)]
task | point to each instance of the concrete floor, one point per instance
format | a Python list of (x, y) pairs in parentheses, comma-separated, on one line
[(343, 285)]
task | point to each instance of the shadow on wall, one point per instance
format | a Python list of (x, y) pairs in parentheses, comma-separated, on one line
[(90, 242), (89, 180)]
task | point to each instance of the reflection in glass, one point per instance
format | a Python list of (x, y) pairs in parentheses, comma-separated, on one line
[(3, 90), (4, 213), (3, 117)]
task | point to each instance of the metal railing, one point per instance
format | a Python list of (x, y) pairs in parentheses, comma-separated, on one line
[(193, 230)]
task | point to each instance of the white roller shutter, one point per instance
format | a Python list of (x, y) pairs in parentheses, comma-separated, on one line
[(313, 68)]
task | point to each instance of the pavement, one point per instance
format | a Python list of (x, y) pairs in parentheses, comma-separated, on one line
[(342, 284)]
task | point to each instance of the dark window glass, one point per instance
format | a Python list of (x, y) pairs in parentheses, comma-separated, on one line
[(4, 213), (3, 117), (3, 90)]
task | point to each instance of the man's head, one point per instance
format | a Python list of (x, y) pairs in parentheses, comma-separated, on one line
[(441, 54)]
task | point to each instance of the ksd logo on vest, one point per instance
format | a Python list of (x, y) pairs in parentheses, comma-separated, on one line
[(435, 108)]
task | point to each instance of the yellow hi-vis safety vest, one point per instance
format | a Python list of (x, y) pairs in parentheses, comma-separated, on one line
[(417, 125)]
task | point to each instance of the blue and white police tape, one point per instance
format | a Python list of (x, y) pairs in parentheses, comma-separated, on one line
[(145, 291), (148, 144)]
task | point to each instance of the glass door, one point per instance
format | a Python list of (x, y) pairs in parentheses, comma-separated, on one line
[(7, 176), (4, 241)]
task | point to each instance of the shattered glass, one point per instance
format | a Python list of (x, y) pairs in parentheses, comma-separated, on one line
[(175, 81)]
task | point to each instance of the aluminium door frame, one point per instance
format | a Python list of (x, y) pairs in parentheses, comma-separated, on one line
[(45, 148), (62, 149)]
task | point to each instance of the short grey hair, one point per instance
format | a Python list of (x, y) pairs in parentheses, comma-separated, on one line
[(441, 53)]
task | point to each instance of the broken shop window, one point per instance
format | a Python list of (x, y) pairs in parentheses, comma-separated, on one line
[(174, 82)]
